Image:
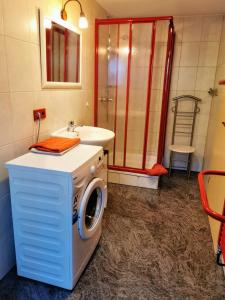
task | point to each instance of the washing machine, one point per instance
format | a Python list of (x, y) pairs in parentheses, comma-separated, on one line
[(57, 208)]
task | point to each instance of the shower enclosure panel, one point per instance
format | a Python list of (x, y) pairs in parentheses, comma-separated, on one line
[(133, 62), (143, 34)]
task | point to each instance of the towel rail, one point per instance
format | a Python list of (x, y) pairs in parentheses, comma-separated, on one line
[(183, 126)]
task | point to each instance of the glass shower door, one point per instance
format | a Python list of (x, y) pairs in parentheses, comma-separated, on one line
[(132, 82), (140, 64), (112, 83), (123, 84)]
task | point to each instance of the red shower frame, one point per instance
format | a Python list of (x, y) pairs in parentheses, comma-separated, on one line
[(166, 86), (215, 215)]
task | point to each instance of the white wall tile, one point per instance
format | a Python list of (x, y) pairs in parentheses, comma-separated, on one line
[(199, 144), (189, 54), (205, 78), (212, 26), (172, 95), (23, 65), (187, 78), (1, 18), (221, 56), (184, 92), (22, 146), (33, 21), (201, 125), (16, 22), (205, 104), (178, 25), (219, 76), (192, 29), (174, 79), (223, 32), (4, 85), (208, 54), (5, 120), (177, 54), (22, 114)]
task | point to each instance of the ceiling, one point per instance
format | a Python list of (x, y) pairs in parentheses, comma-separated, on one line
[(143, 8)]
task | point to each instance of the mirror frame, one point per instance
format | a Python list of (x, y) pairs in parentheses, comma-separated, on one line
[(52, 84)]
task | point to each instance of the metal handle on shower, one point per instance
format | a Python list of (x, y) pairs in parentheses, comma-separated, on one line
[(105, 99)]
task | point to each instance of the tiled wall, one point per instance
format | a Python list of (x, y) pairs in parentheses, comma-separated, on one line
[(21, 92), (194, 67)]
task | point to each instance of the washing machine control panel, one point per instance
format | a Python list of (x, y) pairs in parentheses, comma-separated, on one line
[(97, 164), (93, 169)]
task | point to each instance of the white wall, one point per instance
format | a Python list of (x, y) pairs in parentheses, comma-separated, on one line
[(21, 92), (194, 67)]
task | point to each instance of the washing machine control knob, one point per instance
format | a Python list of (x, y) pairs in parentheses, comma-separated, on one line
[(92, 169)]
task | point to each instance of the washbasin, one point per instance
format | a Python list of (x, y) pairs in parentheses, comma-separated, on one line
[(89, 135)]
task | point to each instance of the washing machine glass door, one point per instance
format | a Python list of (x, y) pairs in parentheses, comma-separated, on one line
[(92, 208)]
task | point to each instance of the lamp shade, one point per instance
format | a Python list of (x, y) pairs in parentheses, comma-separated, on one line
[(83, 22)]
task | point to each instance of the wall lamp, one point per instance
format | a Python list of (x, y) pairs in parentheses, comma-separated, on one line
[(83, 22)]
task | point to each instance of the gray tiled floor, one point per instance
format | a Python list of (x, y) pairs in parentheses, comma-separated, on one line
[(155, 245)]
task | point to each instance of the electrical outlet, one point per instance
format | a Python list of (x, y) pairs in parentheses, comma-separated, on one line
[(41, 111)]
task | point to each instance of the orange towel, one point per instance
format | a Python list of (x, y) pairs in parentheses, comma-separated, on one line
[(56, 144), (156, 170)]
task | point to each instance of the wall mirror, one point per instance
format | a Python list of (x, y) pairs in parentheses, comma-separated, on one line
[(61, 53)]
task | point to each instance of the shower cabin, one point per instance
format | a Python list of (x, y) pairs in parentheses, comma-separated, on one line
[(133, 62)]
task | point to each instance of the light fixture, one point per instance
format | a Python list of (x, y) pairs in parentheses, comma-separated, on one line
[(47, 23), (83, 22)]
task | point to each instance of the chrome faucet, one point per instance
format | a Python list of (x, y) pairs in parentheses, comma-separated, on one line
[(72, 127)]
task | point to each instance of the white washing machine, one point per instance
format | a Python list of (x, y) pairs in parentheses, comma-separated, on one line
[(57, 208)]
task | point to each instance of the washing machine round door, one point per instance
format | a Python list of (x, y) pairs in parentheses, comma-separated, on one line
[(92, 208)]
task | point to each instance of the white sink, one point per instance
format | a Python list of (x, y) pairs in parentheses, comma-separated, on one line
[(88, 135)]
